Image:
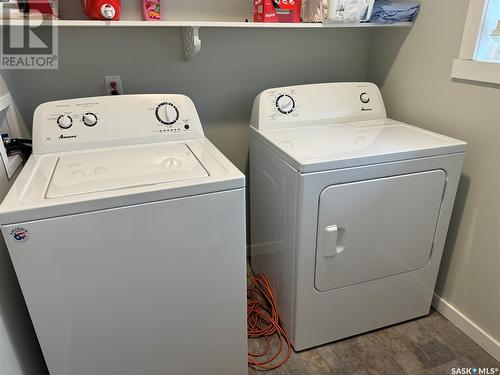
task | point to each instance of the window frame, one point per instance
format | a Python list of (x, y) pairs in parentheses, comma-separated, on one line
[(465, 67)]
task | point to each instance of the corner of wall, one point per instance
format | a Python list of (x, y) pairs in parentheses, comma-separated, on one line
[(467, 326)]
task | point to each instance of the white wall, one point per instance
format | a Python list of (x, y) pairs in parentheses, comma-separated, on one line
[(19, 351), (414, 74)]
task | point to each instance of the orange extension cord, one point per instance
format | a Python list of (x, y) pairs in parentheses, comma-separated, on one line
[(263, 322)]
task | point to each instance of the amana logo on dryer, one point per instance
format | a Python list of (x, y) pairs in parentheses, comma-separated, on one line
[(19, 234)]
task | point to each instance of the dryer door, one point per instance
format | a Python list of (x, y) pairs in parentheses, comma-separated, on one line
[(377, 228)]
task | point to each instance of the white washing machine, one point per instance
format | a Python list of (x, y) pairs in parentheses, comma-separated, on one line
[(126, 229), (349, 209)]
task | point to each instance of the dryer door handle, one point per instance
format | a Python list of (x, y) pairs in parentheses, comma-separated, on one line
[(333, 241)]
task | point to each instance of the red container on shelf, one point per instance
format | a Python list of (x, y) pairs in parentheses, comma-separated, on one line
[(276, 10), (102, 9)]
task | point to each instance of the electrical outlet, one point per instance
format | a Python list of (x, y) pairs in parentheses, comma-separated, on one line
[(113, 85)]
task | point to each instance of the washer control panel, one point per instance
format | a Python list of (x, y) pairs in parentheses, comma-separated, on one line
[(113, 120), (316, 104)]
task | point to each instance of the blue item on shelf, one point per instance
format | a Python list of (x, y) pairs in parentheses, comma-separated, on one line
[(387, 11)]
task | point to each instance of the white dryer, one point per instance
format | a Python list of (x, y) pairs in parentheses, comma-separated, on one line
[(349, 209), (126, 229)]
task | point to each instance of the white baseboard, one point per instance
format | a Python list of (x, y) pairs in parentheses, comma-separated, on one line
[(467, 326)]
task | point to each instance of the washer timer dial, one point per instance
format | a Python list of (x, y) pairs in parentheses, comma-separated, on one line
[(285, 104), (167, 113)]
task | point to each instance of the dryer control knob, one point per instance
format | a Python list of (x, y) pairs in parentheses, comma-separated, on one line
[(285, 104), (64, 121), (365, 98), (89, 119)]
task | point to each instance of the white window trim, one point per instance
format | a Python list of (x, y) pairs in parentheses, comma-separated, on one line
[(465, 67)]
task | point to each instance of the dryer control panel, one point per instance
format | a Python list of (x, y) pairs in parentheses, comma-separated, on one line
[(84, 123), (326, 103)]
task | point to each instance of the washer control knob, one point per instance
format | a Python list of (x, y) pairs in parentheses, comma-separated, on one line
[(285, 104), (64, 121), (365, 98), (167, 113), (89, 119)]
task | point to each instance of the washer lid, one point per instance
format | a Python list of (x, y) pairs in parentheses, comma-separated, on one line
[(96, 171), (323, 147)]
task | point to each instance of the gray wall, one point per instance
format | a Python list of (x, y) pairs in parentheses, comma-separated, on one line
[(414, 74), (233, 66)]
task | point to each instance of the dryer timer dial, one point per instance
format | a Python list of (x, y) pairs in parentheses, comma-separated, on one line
[(285, 104), (364, 97)]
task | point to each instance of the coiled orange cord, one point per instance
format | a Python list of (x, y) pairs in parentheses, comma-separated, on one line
[(263, 322)]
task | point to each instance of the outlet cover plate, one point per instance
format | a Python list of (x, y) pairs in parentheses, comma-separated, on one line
[(109, 80)]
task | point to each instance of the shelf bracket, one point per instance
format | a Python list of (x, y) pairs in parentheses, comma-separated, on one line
[(192, 41)]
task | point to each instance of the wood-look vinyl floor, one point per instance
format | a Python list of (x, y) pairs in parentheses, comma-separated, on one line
[(424, 346)]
